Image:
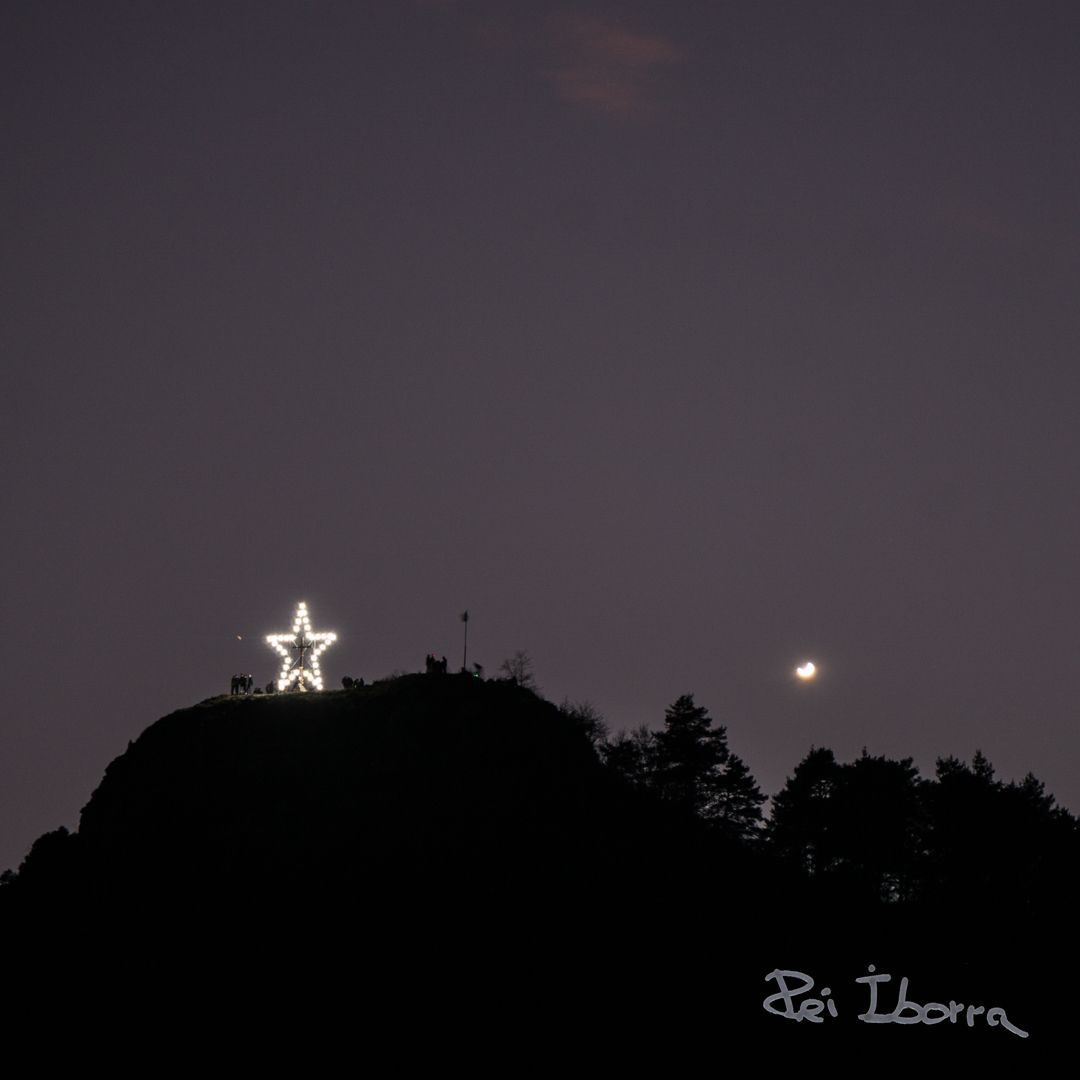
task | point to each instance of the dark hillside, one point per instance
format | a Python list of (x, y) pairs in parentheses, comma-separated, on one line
[(444, 787), (455, 853)]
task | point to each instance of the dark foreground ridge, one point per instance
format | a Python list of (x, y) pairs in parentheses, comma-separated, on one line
[(450, 789), (459, 844)]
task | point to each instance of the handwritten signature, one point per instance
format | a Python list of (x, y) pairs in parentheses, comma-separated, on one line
[(905, 1012)]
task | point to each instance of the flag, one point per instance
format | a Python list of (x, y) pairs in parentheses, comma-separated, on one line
[(464, 616)]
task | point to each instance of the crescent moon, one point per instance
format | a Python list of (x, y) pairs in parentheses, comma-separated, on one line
[(807, 670)]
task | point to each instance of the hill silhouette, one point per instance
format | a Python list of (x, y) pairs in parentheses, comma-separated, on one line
[(429, 827), (402, 788), (413, 834)]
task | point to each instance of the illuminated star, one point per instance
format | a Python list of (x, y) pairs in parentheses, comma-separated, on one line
[(300, 652)]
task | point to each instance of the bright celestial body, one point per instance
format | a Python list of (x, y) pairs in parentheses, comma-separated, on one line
[(300, 668), (807, 670)]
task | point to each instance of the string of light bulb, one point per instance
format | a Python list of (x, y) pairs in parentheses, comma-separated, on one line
[(307, 645)]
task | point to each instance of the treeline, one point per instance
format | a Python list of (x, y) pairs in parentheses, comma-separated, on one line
[(871, 830), (689, 765)]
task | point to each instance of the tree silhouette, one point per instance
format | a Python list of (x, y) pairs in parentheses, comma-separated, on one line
[(632, 755), (988, 839), (877, 828), (982, 768), (519, 669), (737, 806), (695, 770), (587, 717), (799, 828), (861, 825)]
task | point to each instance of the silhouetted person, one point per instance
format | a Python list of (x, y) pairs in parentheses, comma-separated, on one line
[(234, 685), (249, 682)]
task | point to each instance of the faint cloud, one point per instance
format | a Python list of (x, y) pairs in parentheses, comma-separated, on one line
[(977, 220), (593, 61), (497, 35), (599, 63)]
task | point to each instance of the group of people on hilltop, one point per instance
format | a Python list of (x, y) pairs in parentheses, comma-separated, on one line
[(245, 684), (241, 684), (437, 666)]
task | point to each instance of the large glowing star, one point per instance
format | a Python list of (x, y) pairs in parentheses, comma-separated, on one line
[(300, 652), (807, 670)]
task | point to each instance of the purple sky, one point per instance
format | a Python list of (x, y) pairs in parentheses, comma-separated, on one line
[(677, 342)]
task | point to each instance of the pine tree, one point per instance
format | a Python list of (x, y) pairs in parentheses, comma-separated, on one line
[(695, 769), (737, 807), (982, 768), (689, 756), (799, 827)]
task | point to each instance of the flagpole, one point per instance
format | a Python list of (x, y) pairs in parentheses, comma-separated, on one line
[(465, 653)]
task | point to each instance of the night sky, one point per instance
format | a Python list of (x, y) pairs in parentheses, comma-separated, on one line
[(677, 342)]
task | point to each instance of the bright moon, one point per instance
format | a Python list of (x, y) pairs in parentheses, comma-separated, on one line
[(807, 671)]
